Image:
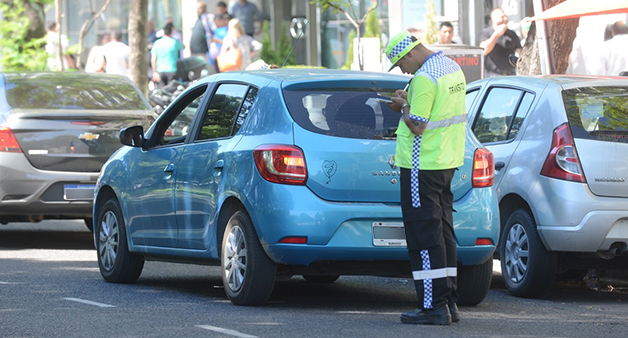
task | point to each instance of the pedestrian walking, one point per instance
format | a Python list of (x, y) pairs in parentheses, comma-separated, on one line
[(238, 42), (164, 56), (430, 146), (116, 56), (248, 14)]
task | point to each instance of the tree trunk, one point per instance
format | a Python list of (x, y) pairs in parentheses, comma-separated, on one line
[(35, 13), (138, 41), (59, 14), (560, 35)]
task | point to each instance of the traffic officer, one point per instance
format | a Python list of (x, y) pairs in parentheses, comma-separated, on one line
[(430, 146)]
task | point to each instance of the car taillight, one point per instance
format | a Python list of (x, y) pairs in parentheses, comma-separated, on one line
[(8, 142), (562, 161), (483, 168), (281, 164)]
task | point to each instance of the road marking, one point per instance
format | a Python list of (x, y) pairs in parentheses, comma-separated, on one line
[(226, 331), (10, 283), (89, 302)]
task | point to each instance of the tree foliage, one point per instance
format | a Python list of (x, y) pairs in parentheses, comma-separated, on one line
[(277, 56), (19, 52), (431, 33)]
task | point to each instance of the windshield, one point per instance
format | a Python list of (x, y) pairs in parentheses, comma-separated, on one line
[(599, 113), (72, 91), (352, 113)]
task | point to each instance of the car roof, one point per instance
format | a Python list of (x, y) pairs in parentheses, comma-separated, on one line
[(291, 76), (562, 80)]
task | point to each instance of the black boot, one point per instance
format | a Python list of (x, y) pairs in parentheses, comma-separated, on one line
[(455, 314), (438, 316)]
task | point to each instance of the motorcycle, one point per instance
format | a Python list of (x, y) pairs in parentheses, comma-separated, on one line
[(189, 70)]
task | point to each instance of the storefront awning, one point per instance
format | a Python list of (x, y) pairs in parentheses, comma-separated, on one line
[(577, 8)]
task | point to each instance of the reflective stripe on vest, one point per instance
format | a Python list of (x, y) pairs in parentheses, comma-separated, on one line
[(447, 122)]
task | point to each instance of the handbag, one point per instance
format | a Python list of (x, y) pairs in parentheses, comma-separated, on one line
[(230, 60)]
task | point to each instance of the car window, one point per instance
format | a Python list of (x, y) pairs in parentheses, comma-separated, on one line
[(73, 91), (175, 126), (521, 114), (470, 98), (599, 113), (493, 121), (346, 112), (223, 108), (246, 108)]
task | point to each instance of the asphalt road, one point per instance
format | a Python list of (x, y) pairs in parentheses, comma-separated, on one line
[(50, 286)]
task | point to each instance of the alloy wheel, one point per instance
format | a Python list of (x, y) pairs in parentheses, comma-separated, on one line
[(236, 256), (516, 253), (108, 240)]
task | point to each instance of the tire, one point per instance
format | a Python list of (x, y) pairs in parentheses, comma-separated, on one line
[(89, 223), (474, 281), (116, 263), (248, 274), (528, 269), (321, 279)]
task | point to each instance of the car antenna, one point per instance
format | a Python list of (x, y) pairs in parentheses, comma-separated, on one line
[(295, 42)]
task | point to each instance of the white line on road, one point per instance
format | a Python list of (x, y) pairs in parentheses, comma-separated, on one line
[(225, 331), (89, 302)]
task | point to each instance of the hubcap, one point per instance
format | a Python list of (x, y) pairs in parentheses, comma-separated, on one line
[(108, 240), (234, 262), (516, 253)]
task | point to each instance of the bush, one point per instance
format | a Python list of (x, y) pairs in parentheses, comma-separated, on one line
[(18, 52)]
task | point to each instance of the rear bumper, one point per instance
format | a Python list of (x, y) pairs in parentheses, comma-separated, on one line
[(571, 218), (26, 191), (343, 231)]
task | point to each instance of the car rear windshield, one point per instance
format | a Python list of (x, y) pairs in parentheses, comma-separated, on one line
[(78, 91), (599, 113), (351, 113)]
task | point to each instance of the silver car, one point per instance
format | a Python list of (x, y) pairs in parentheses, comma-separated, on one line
[(56, 131), (560, 145)]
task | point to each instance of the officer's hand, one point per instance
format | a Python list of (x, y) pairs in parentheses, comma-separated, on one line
[(396, 104), (401, 93)]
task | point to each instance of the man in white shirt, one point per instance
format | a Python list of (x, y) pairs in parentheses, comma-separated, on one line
[(116, 56), (613, 55)]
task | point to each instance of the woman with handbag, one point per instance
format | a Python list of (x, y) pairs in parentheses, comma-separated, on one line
[(238, 49)]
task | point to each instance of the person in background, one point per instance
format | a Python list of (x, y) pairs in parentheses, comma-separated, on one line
[(613, 54), (428, 158), (445, 33), (116, 56), (52, 48), (95, 56), (525, 23), (220, 22), (221, 8), (499, 43), (248, 14), (164, 56), (202, 32), (237, 38)]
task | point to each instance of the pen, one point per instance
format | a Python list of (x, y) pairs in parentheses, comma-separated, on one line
[(405, 89)]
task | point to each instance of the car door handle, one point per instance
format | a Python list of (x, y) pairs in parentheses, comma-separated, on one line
[(169, 168), (499, 165), (219, 164)]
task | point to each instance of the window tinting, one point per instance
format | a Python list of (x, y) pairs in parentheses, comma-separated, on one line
[(495, 116), (599, 113), (75, 91), (246, 108), (220, 115), (351, 112), (469, 98)]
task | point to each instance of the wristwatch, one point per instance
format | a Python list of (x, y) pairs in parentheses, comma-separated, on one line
[(402, 107)]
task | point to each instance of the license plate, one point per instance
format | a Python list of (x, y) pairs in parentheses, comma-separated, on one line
[(74, 192), (389, 234)]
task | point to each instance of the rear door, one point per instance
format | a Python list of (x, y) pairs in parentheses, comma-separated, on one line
[(497, 121), (598, 119), (206, 163)]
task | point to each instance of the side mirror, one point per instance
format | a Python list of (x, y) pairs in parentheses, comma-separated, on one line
[(132, 136)]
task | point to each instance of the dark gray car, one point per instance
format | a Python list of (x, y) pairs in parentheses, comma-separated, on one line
[(56, 131)]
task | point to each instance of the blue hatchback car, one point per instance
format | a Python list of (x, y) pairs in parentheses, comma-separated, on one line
[(279, 173)]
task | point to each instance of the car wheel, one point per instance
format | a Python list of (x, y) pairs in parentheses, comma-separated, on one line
[(248, 274), (89, 223), (321, 279), (528, 269), (474, 281), (116, 263)]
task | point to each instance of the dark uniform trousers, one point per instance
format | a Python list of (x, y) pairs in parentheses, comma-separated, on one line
[(430, 235)]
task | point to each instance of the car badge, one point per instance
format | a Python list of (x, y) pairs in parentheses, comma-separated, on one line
[(88, 137), (391, 162)]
